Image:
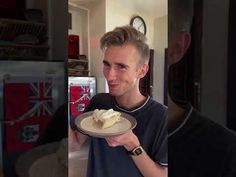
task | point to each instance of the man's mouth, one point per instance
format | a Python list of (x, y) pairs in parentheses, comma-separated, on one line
[(112, 85)]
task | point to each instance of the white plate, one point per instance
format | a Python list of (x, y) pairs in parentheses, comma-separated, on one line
[(87, 125)]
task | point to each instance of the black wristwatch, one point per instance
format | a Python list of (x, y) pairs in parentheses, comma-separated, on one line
[(136, 151)]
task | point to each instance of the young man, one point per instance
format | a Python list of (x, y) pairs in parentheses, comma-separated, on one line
[(198, 147), (125, 62)]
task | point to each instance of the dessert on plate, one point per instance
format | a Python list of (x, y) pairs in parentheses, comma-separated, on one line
[(106, 118)]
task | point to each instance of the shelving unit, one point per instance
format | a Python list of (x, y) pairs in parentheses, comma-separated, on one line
[(22, 40), (11, 28), (23, 52), (78, 67), (79, 26)]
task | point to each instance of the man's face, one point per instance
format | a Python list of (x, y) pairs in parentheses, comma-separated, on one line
[(121, 70)]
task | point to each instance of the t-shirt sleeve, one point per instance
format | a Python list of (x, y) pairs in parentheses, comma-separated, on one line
[(160, 148), (91, 106)]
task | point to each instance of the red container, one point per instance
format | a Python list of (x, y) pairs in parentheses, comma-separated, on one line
[(12, 3), (73, 46)]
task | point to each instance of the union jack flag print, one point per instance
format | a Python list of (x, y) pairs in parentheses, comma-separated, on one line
[(28, 109), (41, 93), (79, 98)]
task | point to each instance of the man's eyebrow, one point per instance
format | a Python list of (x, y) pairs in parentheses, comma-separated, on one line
[(106, 62), (122, 64), (119, 64)]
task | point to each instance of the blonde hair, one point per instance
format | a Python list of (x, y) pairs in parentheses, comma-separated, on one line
[(126, 35)]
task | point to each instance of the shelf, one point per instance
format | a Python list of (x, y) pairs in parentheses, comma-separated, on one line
[(23, 52), (77, 61), (77, 64), (21, 22), (78, 72), (11, 28), (19, 40)]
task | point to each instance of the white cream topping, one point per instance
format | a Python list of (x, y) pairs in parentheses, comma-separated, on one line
[(103, 114)]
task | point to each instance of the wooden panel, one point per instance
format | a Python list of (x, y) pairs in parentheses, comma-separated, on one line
[(231, 94)]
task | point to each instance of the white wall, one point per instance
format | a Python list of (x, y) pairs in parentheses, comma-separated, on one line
[(160, 43), (97, 27), (79, 23), (214, 60), (118, 14)]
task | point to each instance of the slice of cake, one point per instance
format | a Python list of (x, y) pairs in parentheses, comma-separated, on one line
[(106, 118)]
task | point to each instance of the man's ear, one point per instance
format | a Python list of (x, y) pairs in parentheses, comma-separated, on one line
[(178, 47), (143, 70)]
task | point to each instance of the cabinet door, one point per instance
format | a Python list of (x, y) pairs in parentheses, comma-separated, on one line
[(146, 83)]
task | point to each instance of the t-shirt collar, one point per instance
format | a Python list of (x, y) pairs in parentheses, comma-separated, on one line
[(133, 110), (183, 123)]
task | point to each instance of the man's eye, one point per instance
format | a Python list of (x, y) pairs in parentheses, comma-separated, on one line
[(106, 64), (120, 66)]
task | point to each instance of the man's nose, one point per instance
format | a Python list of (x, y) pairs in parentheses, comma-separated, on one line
[(111, 74)]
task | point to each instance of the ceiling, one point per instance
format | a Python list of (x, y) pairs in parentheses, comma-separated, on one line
[(154, 8)]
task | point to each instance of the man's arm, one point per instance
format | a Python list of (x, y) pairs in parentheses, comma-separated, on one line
[(145, 164), (148, 167)]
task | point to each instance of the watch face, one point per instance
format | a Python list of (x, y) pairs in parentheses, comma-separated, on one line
[(138, 23), (138, 151)]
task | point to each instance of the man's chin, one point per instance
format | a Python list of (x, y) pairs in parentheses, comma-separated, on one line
[(113, 93)]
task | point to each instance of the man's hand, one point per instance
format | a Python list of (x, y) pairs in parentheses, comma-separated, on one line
[(75, 139), (128, 140)]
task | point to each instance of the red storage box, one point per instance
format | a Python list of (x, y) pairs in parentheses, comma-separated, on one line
[(73, 46)]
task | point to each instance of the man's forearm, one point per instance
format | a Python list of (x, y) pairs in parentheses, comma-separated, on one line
[(144, 163), (148, 167)]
